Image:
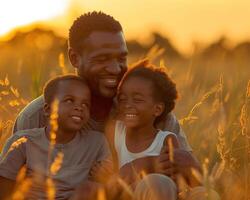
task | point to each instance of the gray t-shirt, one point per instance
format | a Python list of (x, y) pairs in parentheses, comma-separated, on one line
[(32, 116), (78, 157)]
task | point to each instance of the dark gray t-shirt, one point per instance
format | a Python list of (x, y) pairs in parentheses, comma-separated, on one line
[(32, 149)]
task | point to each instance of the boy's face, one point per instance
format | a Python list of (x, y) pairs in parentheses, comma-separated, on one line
[(136, 105), (103, 62), (74, 104)]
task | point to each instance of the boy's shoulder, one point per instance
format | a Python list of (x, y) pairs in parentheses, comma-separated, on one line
[(92, 135), (21, 137), (31, 134)]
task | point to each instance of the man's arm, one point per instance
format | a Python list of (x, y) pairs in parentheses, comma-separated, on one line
[(32, 116), (185, 160)]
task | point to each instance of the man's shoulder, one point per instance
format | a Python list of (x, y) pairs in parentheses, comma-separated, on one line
[(33, 108), (32, 116), (28, 133)]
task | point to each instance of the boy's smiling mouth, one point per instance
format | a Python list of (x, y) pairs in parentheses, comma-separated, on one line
[(77, 118)]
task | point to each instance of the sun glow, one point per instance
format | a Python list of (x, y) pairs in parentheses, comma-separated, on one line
[(14, 13)]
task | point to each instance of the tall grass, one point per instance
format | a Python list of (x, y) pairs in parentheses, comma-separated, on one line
[(213, 108)]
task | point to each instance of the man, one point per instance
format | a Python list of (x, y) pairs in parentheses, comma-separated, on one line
[(98, 51)]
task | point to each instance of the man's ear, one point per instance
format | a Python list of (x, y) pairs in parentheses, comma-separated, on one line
[(75, 58), (46, 109), (159, 109)]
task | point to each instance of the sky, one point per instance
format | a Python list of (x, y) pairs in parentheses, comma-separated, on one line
[(183, 21)]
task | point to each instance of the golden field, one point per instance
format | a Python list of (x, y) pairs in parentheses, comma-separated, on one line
[(213, 105)]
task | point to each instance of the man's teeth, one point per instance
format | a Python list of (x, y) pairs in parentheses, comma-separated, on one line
[(111, 81), (130, 115)]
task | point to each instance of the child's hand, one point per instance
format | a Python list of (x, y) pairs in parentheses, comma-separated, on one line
[(101, 171), (163, 165)]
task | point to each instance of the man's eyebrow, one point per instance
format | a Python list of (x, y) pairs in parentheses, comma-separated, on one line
[(101, 55)]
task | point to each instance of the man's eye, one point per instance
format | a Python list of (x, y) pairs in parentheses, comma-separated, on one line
[(123, 59), (101, 59)]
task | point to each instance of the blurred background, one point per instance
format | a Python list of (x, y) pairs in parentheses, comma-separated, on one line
[(205, 46)]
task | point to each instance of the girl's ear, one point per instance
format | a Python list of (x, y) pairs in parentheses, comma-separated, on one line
[(46, 109), (159, 108)]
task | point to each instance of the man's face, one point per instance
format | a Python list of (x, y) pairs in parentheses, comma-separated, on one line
[(103, 61)]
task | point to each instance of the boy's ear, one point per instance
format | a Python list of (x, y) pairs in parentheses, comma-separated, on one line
[(159, 108), (46, 109), (75, 58)]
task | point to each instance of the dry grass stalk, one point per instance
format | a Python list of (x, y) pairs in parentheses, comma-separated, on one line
[(125, 186), (23, 185), (171, 150), (56, 165), (51, 192), (190, 115), (62, 64), (101, 194), (17, 143), (154, 53)]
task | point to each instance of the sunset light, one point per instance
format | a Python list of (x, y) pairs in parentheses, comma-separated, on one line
[(165, 83), (14, 13)]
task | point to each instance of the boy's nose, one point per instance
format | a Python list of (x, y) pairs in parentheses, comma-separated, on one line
[(78, 107)]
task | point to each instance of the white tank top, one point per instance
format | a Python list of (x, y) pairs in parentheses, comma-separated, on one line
[(125, 156)]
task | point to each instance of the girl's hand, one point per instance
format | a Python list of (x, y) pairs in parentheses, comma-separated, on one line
[(101, 171)]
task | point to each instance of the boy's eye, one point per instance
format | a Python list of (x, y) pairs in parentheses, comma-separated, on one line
[(85, 105), (68, 100)]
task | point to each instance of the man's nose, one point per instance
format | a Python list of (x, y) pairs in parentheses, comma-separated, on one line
[(114, 67)]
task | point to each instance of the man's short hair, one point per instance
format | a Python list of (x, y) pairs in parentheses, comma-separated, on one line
[(164, 89), (51, 87), (84, 25)]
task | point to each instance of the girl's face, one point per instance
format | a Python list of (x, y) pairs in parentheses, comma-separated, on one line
[(137, 106)]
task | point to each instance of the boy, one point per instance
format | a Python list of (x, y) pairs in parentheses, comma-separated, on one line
[(79, 148)]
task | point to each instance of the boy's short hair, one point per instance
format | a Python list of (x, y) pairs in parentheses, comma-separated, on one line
[(84, 25), (164, 89), (50, 88)]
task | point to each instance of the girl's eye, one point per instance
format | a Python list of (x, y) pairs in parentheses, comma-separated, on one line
[(121, 99), (138, 100)]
